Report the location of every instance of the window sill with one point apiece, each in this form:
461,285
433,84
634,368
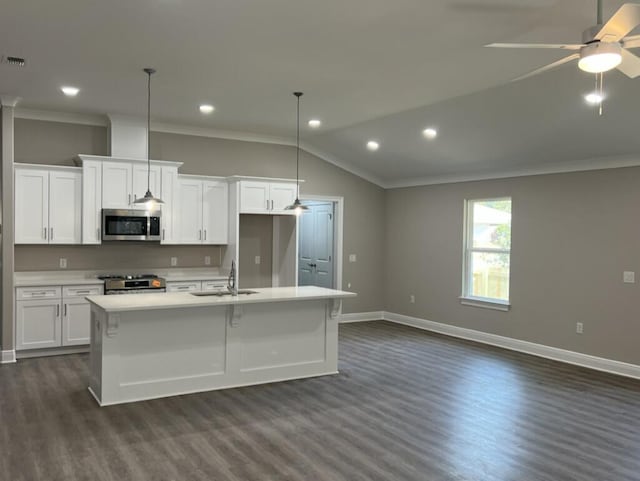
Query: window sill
484,303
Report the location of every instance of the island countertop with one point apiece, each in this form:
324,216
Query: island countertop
178,300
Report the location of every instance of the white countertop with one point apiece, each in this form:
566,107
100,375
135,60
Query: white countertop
65,278
177,300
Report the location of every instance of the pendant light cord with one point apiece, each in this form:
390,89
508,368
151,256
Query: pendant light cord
149,72
298,95
599,13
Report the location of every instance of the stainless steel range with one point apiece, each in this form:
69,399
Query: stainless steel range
133,284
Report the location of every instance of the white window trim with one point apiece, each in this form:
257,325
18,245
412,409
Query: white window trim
468,300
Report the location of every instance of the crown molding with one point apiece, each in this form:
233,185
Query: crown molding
9,100
596,163
64,117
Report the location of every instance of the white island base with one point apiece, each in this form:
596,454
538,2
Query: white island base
155,345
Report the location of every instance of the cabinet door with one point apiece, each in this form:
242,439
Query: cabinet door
76,319
65,207
91,202
215,200
38,324
169,194
116,185
281,196
190,211
254,197
140,181
184,286
31,206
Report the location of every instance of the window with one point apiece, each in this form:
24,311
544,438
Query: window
487,251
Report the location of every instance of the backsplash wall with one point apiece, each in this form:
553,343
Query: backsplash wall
118,257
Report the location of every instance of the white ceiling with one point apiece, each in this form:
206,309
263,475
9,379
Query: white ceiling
369,69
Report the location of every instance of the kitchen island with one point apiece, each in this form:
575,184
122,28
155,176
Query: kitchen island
146,346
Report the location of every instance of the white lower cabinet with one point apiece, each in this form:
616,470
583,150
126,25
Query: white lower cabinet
53,316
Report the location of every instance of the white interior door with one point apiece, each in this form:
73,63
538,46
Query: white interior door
65,207
316,244
31,206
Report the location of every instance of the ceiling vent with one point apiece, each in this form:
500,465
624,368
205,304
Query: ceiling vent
17,61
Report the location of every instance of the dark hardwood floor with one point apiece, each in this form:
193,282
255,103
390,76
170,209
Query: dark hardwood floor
407,405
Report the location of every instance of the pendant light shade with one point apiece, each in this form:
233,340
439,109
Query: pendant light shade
297,206
149,200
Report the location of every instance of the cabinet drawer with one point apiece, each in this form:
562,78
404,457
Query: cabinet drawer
214,285
184,286
38,292
82,291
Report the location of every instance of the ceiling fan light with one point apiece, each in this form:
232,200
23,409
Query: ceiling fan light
600,57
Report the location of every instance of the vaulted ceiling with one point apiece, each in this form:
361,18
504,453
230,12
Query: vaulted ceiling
370,69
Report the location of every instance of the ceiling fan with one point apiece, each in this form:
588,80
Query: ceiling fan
604,46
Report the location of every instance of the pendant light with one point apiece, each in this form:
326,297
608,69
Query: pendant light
149,200
297,206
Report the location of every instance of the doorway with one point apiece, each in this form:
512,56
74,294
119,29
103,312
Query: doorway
319,243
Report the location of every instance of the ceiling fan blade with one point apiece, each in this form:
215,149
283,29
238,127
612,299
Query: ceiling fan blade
630,65
551,66
631,42
563,46
623,21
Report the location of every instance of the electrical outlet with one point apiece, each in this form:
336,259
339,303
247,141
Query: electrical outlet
174,261
352,258
629,277
257,259
348,285
207,260
63,263
579,328
412,299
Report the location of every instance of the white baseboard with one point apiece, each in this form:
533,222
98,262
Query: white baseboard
540,350
361,317
7,357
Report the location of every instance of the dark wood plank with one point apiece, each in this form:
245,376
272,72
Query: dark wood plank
407,405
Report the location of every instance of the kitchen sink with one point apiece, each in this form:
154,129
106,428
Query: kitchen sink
222,293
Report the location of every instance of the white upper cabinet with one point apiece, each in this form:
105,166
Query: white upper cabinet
215,212
65,213
202,214
262,197
169,194
124,182
48,205
92,202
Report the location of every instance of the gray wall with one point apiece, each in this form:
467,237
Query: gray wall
256,239
58,143
572,237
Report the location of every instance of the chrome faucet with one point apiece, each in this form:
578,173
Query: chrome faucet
231,283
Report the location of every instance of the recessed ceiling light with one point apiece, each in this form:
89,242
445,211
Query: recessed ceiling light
594,98
430,133
206,108
70,91
372,145
314,123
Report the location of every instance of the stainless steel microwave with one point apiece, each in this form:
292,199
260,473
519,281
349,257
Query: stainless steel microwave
130,225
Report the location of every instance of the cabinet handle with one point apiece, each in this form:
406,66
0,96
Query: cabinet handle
199,235
45,233
65,310
83,292
129,199
51,234
98,234
58,310
205,234
38,294
162,234
271,205
267,204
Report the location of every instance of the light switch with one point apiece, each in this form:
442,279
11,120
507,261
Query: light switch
174,261
257,259
63,263
629,277
207,260
352,257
